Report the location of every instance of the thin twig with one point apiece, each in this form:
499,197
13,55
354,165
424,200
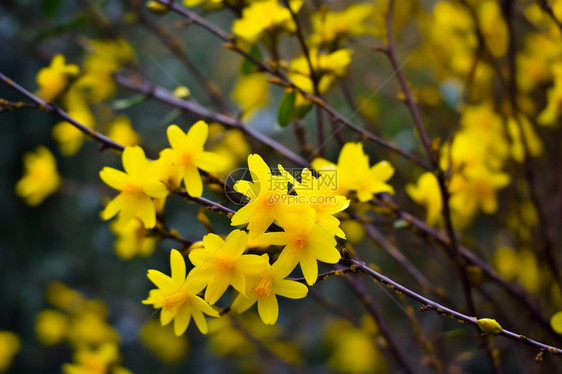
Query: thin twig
436,307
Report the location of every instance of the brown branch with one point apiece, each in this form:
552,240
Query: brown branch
438,308
285,81
165,96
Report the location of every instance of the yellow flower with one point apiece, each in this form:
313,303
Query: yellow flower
51,327
108,56
553,108
251,93
534,143
263,289
137,186
221,263
121,131
187,155
493,27
427,193
70,139
163,342
89,327
354,173
264,17
352,21
132,239
344,338
319,194
327,67
177,296
53,80
9,346
41,178
305,242
268,197
476,187
96,361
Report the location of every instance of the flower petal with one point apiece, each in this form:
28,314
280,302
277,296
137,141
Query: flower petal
113,178
268,310
193,182
134,160
146,211
177,265
181,321
290,289
211,162
309,268
176,137
197,135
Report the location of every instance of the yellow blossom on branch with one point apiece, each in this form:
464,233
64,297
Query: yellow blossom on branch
187,156
177,297
96,361
263,289
221,263
319,194
10,345
132,239
53,80
137,187
263,17
426,193
305,242
267,194
355,174
70,138
41,177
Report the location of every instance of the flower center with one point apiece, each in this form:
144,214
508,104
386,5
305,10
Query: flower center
186,158
263,288
224,265
177,298
300,241
132,189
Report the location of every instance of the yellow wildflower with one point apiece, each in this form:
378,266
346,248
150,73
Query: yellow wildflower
318,193
305,242
121,131
53,80
41,178
263,289
137,186
96,361
108,56
264,17
70,139
132,239
493,27
476,187
251,93
337,26
163,342
354,173
551,113
10,345
268,197
187,155
177,296
221,263
51,327
427,193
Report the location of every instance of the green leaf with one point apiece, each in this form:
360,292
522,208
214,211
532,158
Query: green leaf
302,111
50,7
286,109
248,66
